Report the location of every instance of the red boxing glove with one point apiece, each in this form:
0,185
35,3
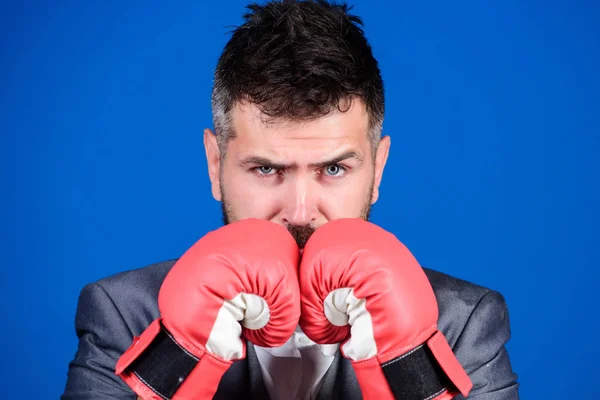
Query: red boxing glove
360,286
238,280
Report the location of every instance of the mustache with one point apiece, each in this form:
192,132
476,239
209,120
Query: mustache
301,233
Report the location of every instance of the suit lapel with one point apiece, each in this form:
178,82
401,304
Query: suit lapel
243,380
329,388
339,383
257,388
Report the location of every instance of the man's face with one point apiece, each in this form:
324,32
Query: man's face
297,174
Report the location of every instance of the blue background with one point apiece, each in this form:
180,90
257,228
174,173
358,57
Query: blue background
493,174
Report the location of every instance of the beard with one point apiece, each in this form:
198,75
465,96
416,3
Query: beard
301,234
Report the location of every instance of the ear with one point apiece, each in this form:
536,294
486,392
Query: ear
213,160
380,160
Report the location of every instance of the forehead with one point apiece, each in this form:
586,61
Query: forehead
253,128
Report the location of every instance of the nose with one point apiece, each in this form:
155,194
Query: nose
301,202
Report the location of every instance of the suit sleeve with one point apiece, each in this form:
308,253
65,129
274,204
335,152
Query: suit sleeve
481,350
103,337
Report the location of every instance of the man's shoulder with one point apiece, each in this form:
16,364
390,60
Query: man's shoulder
136,285
448,287
133,293
457,299
147,278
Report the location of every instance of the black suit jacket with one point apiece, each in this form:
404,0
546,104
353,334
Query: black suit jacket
112,311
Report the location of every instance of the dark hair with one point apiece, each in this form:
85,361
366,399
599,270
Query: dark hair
297,60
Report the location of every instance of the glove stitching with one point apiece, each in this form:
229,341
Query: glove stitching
401,357
431,327
149,386
217,358
183,348
435,394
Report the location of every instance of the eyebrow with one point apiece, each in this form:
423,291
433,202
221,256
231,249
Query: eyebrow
344,156
257,160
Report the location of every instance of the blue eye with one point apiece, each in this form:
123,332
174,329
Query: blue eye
265,170
334,170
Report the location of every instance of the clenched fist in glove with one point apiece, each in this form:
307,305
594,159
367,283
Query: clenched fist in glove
238,281
361,286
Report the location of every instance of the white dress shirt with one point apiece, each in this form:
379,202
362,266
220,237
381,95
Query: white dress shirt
295,370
